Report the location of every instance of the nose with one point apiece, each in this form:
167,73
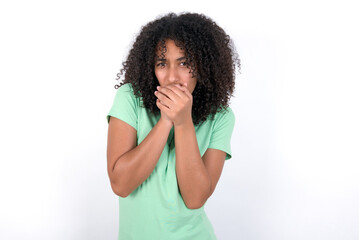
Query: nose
173,75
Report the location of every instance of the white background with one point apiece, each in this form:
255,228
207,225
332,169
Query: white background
294,171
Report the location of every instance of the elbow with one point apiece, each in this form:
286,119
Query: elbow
118,190
198,202
195,204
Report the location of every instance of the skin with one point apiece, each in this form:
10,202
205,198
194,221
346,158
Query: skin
173,69
130,165
197,176
176,85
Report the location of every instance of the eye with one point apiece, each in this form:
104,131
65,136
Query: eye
161,64
183,64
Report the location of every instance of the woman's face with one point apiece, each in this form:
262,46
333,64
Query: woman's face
173,67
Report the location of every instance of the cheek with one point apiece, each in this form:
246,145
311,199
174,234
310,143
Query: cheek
193,84
186,76
159,76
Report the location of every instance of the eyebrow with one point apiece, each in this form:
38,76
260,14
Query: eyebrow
164,59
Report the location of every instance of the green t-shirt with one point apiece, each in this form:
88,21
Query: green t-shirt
155,209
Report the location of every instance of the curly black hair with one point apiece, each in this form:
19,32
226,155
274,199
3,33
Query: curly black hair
210,54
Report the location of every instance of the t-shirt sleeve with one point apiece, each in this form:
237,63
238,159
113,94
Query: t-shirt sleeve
222,132
124,106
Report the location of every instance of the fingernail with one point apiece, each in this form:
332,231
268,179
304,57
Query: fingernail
158,87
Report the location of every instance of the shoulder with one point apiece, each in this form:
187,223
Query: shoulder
226,115
222,118
125,105
127,87
125,97
126,92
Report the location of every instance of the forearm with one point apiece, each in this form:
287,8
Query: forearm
135,166
193,178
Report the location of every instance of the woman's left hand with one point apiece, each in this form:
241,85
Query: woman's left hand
176,102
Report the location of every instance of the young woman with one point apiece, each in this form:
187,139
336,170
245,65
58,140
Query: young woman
170,127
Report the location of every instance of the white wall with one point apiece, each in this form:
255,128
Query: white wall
293,174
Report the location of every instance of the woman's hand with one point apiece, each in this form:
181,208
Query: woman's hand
175,103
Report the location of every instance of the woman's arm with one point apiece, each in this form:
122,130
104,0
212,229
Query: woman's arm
130,165
192,175
193,178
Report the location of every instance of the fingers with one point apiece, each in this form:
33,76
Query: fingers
184,89
172,94
162,99
175,91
